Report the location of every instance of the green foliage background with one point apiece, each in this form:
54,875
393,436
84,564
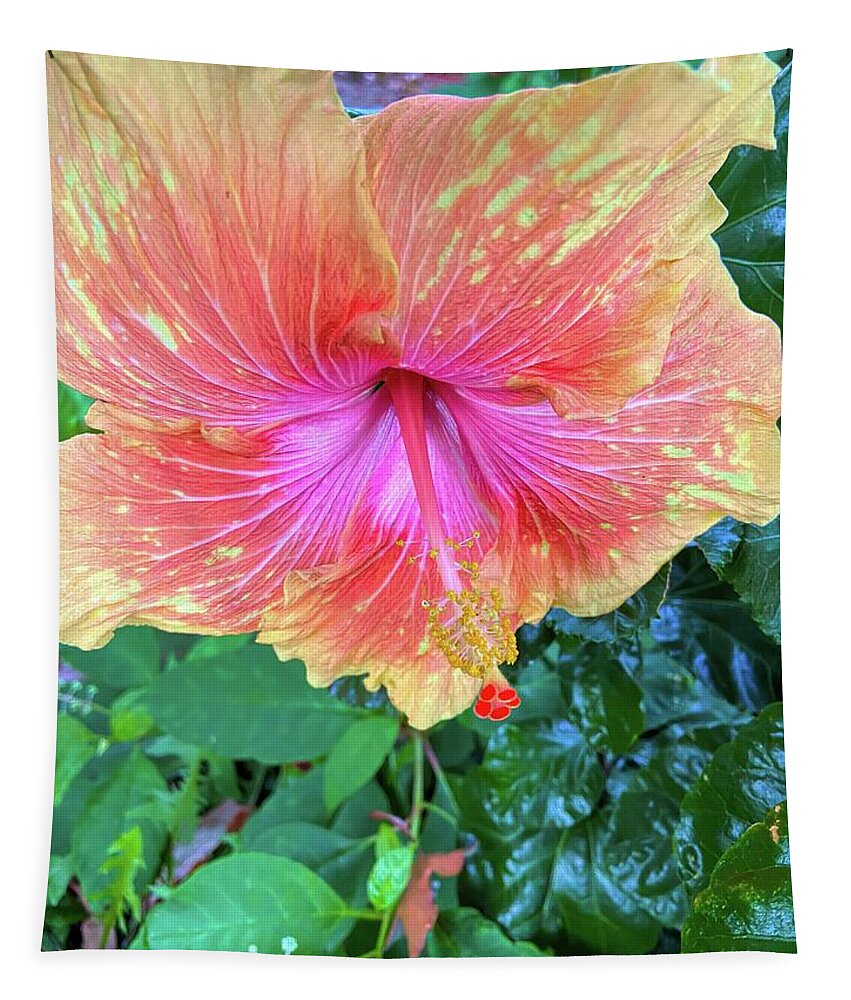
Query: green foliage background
207,798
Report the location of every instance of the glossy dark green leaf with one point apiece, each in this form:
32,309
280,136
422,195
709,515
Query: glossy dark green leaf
748,903
249,902
535,781
752,185
633,614
605,702
642,825
744,779
672,694
713,635
754,574
131,659
596,899
76,744
720,541
357,755
464,933
247,704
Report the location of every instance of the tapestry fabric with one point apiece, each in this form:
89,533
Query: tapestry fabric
419,493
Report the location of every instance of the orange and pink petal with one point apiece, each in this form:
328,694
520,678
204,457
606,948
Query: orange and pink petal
193,530
217,253
591,509
544,238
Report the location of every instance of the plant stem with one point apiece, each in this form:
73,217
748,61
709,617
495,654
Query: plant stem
417,793
414,821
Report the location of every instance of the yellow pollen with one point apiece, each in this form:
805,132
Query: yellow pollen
469,627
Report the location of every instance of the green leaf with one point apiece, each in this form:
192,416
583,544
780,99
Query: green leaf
535,781
73,407
248,705
76,744
124,859
643,820
353,818
58,877
298,797
249,902
719,542
110,797
129,718
748,904
130,660
596,902
464,933
340,861
744,779
357,756
754,574
605,701
208,647
635,613
389,876
307,843
672,694
704,627
752,185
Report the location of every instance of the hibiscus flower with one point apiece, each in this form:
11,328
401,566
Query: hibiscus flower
383,390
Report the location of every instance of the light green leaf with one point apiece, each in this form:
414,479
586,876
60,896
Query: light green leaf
357,756
389,877
124,859
246,704
129,718
73,407
249,902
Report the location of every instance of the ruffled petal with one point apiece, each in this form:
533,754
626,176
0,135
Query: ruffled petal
195,531
543,237
367,619
217,252
591,509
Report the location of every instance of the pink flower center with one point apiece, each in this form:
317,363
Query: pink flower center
466,622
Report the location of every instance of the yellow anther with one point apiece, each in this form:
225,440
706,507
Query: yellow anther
474,637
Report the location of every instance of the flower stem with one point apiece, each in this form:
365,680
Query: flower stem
417,793
413,823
